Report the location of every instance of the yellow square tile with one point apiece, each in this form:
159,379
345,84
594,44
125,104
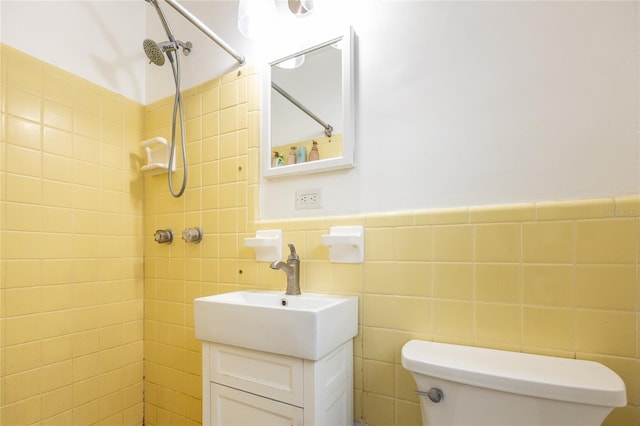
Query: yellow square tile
379,277
22,329
57,401
413,279
58,220
347,278
22,273
20,386
606,241
228,170
606,286
547,242
414,314
23,217
376,344
229,121
23,245
22,132
57,168
378,409
379,377
499,283
57,297
549,328
25,72
210,100
550,285
59,194
57,115
22,301
228,94
112,109
23,104
378,244
453,320
23,189
228,146
86,124
22,357
58,86
21,161
24,412
607,332
498,243
453,281
317,276
378,311
408,413
57,142
498,325
57,349
452,243
412,243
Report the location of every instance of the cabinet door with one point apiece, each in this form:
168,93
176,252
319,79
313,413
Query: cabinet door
274,376
232,407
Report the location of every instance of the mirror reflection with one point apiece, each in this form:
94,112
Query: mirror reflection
306,106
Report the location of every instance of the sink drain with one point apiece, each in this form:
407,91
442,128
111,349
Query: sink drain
284,302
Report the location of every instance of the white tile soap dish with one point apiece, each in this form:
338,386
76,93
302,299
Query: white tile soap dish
346,244
267,244
157,150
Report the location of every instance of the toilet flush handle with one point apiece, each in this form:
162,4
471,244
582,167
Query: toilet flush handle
434,394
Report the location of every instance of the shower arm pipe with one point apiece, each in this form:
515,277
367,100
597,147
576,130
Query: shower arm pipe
328,129
202,27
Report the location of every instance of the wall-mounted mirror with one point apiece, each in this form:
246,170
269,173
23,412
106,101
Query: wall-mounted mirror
308,122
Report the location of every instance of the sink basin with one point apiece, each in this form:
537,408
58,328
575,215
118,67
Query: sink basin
308,326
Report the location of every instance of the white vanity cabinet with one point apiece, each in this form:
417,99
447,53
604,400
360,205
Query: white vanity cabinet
248,387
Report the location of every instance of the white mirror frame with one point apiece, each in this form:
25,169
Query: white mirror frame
347,160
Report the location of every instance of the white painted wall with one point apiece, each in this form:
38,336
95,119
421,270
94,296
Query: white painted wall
458,103
100,41
476,103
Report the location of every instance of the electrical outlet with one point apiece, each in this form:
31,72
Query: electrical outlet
308,199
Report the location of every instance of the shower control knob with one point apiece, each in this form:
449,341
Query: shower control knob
192,235
163,236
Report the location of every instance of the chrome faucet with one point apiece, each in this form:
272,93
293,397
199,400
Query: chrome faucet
292,269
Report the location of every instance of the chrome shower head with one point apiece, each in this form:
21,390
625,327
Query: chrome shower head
153,52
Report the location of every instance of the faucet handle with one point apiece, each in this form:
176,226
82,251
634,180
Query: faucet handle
293,255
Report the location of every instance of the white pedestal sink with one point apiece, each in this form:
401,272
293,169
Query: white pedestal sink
268,358
307,326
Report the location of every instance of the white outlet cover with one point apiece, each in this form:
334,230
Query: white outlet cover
308,199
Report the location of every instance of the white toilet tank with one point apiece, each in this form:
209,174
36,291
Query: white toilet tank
490,387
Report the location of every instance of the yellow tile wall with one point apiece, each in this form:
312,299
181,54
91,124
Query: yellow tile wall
555,278
71,284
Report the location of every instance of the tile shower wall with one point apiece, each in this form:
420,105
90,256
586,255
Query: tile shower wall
551,278
71,249
220,145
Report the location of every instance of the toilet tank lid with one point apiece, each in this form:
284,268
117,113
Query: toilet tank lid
563,379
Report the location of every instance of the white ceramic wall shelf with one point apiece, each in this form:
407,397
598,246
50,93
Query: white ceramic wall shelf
267,244
346,244
157,150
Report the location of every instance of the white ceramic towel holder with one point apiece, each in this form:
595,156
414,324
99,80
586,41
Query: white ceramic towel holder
346,244
267,244
157,150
